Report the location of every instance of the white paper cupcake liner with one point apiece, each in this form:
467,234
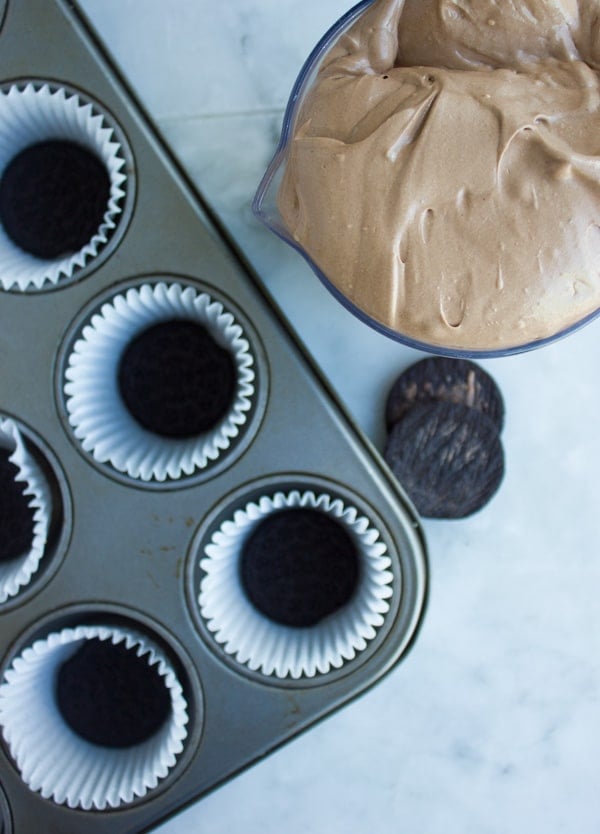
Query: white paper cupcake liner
283,651
34,113
17,573
97,413
58,763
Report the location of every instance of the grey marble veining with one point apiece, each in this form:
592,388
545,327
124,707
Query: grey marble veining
492,724
195,57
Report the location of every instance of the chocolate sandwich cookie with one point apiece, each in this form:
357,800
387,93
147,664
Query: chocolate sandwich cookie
447,456
440,378
176,380
111,697
16,516
298,566
53,197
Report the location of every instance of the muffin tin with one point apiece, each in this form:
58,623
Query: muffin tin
143,533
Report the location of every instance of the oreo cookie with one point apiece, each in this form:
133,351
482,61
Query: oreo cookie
447,456
16,516
175,380
111,697
53,197
443,379
298,566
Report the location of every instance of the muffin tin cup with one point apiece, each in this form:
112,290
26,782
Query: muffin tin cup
52,759
17,573
35,112
96,411
282,651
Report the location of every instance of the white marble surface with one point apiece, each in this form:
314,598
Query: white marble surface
492,724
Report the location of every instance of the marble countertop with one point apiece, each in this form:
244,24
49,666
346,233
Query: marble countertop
492,724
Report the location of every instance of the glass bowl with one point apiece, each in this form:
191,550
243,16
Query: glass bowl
265,207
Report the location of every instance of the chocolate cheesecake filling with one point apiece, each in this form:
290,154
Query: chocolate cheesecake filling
444,170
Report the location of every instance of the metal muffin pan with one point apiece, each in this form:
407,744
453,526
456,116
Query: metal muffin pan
130,552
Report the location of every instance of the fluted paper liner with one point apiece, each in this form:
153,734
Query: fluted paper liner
279,650
54,760
97,413
30,114
17,573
